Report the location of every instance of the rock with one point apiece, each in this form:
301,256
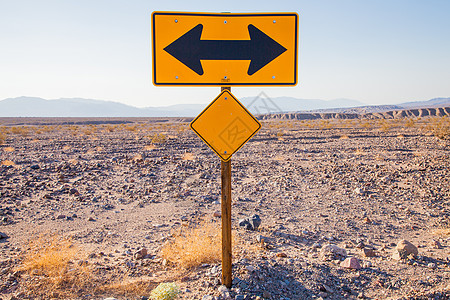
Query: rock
250,269
366,220
326,288
35,167
360,245
255,221
332,252
260,238
267,295
239,297
366,264
250,223
60,217
404,249
368,252
435,244
74,192
358,191
110,298
217,214
3,235
140,254
431,265
316,245
351,263
223,290
208,297
281,254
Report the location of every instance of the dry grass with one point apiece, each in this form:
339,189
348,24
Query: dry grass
410,123
7,162
129,287
50,271
385,126
55,267
149,147
158,138
188,156
20,130
192,247
440,127
360,152
2,138
442,231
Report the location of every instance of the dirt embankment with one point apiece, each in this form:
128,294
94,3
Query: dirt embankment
394,114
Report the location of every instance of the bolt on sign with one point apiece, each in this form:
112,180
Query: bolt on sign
224,49
225,125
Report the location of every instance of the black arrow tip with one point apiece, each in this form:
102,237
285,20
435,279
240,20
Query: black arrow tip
187,49
263,49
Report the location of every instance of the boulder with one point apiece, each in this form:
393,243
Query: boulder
140,254
404,249
368,252
250,223
332,252
351,263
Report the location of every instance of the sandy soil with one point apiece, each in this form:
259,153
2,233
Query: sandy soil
116,189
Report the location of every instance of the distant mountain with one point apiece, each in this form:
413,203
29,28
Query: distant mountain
67,107
262,104
78,107
436,102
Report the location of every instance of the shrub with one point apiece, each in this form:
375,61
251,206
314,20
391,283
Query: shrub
50,269
20,130
158,138
410,123
55,267
385,126
7,163
165,291
2,138
441,128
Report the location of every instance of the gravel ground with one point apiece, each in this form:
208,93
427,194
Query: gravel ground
119,188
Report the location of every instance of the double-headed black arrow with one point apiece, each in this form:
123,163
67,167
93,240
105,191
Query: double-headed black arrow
190,49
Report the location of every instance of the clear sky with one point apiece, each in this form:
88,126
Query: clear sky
375,51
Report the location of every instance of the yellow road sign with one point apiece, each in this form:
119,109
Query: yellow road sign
224,49
225,125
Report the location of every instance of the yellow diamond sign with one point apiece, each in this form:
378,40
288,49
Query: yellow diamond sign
225,125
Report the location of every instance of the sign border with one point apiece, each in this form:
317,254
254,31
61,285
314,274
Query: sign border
153,31
206,142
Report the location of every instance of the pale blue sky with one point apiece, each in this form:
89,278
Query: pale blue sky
375,51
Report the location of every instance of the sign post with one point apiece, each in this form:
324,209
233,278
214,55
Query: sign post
225,49
226,219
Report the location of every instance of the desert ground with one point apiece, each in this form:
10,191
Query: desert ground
91,209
